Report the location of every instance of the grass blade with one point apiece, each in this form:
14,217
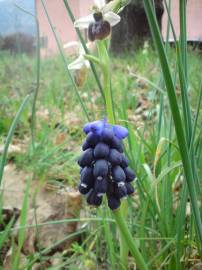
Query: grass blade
10,134
182,141
5,233
21,232
38,61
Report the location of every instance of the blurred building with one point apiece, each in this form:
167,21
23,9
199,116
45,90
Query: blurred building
194,20
61,22
66,32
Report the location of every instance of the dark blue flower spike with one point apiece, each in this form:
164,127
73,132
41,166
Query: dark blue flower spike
104,167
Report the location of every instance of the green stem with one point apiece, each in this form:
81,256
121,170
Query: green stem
123,244
110,115
129,240
93,59
105,64
109,241
126,240
107,93
123,252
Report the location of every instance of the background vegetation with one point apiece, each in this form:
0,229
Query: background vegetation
160,215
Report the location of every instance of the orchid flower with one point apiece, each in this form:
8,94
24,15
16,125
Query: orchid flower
98,23
80,62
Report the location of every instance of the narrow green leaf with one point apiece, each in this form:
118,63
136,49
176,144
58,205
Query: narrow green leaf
175,113
10,134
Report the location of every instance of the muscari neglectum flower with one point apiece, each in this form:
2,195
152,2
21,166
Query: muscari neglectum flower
98,23
104,167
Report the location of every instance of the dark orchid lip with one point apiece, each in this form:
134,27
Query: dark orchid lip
98,126
98,16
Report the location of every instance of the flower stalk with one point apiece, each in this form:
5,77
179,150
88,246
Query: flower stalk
107,93
129,240
123,243
126,241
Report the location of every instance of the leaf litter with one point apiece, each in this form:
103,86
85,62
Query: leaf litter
45,205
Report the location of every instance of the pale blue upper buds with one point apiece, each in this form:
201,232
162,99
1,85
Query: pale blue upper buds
98,126
120,132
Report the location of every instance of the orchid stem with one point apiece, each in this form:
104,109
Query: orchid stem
93,59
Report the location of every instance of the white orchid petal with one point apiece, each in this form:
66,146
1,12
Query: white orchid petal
112,18
84,22
81,50
77,64
87,63
71,44
89,45
108,7
99,3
